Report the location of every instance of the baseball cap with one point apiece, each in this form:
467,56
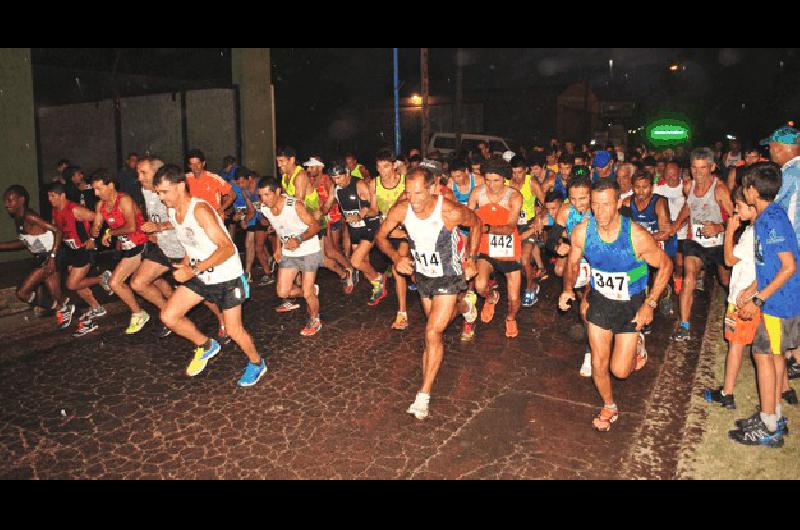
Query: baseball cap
784,135
337,170
313,162
580,171
433,165
601,159
508,155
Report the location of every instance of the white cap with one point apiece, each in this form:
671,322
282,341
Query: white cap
313,162
508,155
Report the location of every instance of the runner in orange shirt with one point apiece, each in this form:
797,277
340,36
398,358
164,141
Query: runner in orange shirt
206,185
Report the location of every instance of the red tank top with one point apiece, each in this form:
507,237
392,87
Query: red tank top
66,222
334,214
501,248
116,219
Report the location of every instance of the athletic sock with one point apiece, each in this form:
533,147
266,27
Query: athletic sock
779,411
685,325
770,420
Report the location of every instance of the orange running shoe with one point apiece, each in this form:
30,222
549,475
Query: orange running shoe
487,313
512,331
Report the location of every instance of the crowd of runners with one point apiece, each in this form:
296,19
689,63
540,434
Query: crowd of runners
624,233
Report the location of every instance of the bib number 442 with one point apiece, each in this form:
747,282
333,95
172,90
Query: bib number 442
501,246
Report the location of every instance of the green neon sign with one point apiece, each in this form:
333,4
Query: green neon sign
669,132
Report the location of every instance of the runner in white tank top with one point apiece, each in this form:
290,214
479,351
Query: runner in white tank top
210,271
432,226
298,249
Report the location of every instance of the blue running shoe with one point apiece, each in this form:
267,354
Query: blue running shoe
253,374
412,287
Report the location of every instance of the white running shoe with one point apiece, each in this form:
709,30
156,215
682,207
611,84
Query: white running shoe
104,282
586,368
472,302
420,406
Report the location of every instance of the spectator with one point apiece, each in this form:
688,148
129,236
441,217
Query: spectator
128,180
230,166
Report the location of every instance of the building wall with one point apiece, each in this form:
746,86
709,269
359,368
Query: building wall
152,124
211,124
251,71
18,158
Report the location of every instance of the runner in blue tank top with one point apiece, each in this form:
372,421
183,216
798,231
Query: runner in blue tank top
619,252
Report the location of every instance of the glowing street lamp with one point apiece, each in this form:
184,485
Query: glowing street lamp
416,100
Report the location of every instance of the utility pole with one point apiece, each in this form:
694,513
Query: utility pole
459,108
426,116
397,143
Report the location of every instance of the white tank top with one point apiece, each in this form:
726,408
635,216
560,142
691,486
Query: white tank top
433,248
705,209
676,200
733,160
288,225
199,246
38,244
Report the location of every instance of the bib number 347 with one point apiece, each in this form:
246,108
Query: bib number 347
613,286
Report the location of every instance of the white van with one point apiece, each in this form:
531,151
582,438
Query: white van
445,143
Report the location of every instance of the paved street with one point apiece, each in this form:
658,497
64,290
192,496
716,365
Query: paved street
333,406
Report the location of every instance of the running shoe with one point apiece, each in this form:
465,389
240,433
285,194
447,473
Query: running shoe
512,331
747,423
356,276
312,327
758,434
288,306
681,334
529,298
699,285
790,397
420,407
64,315
716,396
223,338
378,291
412,287
487,314
84,328
273,265
201,357
138,321
586,367
105,280
401,322
32,297
164,333
94,313
641,353
266,280
253,374
471,299
316,290
793,369
348,282
468,332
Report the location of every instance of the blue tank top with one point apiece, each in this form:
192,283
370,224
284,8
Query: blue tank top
559,187
574,218
646,218
463,198
616,273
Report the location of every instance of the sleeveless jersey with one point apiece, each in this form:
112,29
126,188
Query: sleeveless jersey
675,201
199,246
356,173
574,218
36,244
351,203
616,272
528,210
463,198
646,218
288,181
559,186
505,247
288,224
434,249
705,209
116,219
66,222
385,197
334,214
157,212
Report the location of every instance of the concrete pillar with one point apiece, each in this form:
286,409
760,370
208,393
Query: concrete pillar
251,71
18,159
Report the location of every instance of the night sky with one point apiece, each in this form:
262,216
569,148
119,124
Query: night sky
745,91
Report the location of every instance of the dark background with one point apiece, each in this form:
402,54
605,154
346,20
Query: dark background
747,92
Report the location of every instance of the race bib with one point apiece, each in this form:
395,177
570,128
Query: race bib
428,264
584,275
523,218
357,224
707,242
71,243
501,246
612,285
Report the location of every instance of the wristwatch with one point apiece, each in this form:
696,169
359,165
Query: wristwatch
196,271
758,302
53,255
652,304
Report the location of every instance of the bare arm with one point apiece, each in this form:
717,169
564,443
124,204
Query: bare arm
98,220
308,220
301,186
207,220
13,245
723,195
366,192
394,218
44,225
733,225
573,263
648,250
664,224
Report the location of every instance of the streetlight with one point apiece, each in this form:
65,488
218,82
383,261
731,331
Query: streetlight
416,100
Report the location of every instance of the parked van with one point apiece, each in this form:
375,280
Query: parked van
445,143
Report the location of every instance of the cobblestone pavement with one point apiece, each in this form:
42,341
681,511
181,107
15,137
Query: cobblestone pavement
332,406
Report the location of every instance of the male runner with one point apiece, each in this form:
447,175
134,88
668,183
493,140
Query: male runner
211,270
43,240
529,189
706,200
207,186
256,239
498,207
77,254
356,169
672,190
431,222
360,210
294,180
619,252
125,222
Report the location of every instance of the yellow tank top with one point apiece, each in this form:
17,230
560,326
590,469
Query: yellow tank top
313,206
288,182
387,197
356,173
528,199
